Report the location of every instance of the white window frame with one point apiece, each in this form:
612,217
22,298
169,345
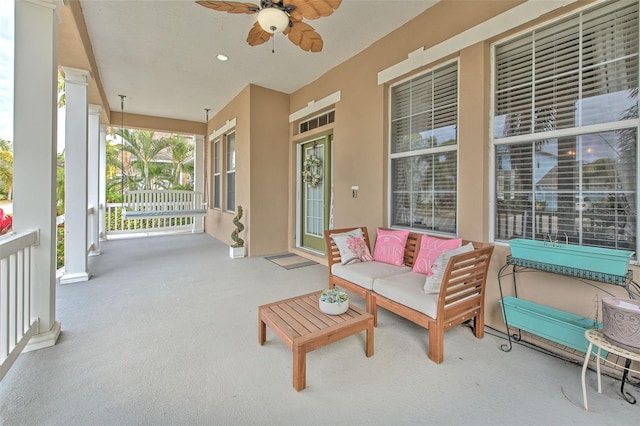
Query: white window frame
532,137
427,151
217,173
230,172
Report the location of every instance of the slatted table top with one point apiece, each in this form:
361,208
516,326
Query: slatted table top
300,319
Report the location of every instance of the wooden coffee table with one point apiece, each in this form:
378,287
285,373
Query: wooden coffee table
303,328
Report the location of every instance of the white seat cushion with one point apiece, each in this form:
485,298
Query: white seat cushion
364,273
408,290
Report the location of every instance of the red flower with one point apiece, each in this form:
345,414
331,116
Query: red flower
6,223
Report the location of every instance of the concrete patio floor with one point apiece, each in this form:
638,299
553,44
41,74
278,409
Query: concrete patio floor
166,333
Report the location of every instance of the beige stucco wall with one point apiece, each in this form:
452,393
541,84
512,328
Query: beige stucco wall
262,173
358,141
269,158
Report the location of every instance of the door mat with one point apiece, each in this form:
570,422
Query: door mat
290,260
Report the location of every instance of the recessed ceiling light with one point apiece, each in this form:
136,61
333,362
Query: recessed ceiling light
222,57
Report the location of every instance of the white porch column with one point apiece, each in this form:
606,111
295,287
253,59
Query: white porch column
93,179
102,183
75,176
35,139
198,185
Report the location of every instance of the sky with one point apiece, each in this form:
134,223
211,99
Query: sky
6,69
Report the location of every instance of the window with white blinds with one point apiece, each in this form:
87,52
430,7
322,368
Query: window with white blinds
566,130
424,156
231,172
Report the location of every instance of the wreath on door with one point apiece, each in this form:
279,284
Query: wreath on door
312,170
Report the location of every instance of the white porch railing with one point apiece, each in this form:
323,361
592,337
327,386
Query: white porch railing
16,324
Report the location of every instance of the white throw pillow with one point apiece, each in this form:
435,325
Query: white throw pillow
432,283
352,247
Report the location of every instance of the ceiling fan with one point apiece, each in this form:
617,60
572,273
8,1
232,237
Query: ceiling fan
285,16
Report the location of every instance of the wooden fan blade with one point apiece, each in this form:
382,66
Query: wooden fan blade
257,35
312,9
304,36
230,6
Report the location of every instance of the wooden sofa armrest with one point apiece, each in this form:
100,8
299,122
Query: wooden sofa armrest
462,292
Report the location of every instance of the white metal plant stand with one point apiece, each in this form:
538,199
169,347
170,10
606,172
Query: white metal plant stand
597,338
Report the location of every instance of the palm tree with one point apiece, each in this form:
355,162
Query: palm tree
62,97
143,149
181,151
113,173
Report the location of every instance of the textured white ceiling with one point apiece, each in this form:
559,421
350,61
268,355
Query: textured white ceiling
161,53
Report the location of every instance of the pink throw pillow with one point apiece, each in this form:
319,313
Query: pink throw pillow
390,246
430,249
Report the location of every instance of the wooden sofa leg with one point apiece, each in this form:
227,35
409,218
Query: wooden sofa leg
372,308
436,344
478,326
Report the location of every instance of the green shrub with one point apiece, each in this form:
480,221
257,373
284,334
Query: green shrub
59,248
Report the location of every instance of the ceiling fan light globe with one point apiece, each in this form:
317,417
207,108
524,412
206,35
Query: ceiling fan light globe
273,20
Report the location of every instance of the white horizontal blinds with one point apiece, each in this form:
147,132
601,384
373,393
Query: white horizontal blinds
579,182
445,106
401,191
422,105
231,172
217,168
422,108
514,183
556,77
538,80
401,118
424,192
610,63
514,82
424,116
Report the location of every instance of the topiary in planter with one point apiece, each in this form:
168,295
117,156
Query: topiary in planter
239,242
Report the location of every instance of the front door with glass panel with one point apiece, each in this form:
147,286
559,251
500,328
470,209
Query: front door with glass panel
315,192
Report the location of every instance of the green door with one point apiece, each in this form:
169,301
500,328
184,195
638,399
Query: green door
316,192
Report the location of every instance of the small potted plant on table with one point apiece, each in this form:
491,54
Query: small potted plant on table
334,301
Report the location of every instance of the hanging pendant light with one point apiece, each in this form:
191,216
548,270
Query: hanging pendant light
205,195
122,146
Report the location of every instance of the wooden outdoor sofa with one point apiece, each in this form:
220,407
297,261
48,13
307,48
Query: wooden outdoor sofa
400,290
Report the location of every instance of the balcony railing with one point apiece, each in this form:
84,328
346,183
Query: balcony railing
16,324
